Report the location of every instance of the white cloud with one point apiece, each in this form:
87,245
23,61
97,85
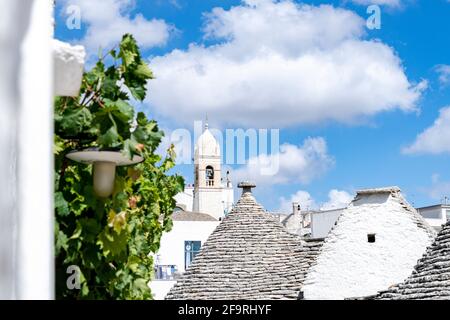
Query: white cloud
295,164
389,3
176,4
108,20
280,64
443,71
336,199
182,142
435,139
302,197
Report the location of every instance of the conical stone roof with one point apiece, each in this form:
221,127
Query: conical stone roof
248,256
431,276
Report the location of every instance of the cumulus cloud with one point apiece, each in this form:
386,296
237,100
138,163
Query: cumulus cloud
279,63
336,199
443,71
435,139
293,164
108,20
302,197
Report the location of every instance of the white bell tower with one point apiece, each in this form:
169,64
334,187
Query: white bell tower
207,176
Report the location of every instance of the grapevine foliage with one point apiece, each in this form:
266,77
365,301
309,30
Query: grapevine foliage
111,239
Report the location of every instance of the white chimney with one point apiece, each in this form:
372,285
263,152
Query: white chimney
296,210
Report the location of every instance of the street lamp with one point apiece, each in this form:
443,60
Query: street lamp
104,166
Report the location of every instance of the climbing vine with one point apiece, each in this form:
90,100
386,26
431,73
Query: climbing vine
110,240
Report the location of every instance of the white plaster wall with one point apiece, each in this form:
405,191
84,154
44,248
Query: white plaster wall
210,202
203,162
435,223
350,266
228,199
161,288
171,251
26,85
323,222
35,256
26,142
186,198
436,217
14,22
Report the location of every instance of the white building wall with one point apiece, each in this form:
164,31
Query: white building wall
26,92
160,288
350,266
13,16
323,222
209,201
436,216
227,199
27,58
186,198
171,251
35,254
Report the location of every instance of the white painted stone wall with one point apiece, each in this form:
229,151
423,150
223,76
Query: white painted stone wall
323,221
171,251
209,200
160,288
186,198
35,232
14,15
436,216
26,145
350,266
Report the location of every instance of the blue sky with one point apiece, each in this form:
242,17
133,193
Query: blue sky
379,129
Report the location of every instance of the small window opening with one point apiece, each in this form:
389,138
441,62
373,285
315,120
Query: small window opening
371,237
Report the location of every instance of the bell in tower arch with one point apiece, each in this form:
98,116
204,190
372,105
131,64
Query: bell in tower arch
209,175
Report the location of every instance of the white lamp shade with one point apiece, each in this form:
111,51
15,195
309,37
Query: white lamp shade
89,156
104,176
104,167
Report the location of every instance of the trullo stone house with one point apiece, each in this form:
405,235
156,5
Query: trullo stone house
249,255
375,244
